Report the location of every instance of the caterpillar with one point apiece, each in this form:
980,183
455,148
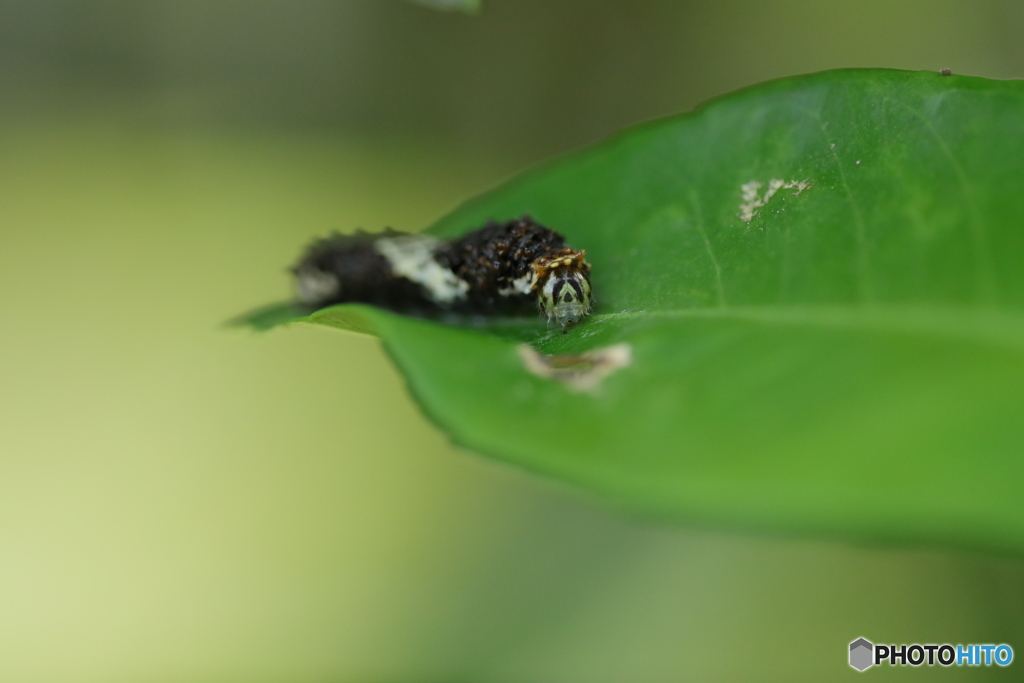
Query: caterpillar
497,268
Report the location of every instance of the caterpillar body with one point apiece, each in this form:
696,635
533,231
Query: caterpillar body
497,268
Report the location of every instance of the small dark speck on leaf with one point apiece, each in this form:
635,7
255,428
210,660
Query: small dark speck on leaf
946,72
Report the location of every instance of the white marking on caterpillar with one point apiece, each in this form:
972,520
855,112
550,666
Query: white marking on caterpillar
314,285
522,285
412,257
580,373
752,201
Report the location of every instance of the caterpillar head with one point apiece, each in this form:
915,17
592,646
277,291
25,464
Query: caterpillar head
563,286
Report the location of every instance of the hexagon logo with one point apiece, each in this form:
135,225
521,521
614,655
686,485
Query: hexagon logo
861,654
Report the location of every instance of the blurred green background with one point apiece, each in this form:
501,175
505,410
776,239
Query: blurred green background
181,502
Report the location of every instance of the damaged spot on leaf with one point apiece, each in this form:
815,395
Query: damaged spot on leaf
754,200
583,372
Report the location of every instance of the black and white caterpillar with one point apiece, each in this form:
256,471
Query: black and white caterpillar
500,267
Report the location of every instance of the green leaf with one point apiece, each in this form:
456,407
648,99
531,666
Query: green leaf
841,357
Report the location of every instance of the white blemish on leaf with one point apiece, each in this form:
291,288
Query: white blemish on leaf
412,257
754,200
580,373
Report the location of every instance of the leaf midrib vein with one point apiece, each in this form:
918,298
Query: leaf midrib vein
983,326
